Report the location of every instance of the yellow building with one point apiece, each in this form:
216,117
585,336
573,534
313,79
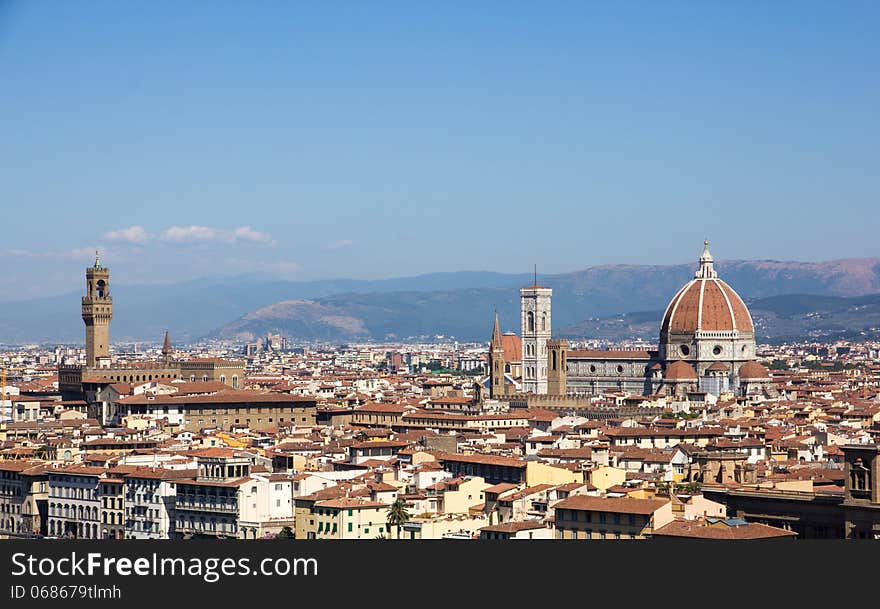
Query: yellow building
542,473
604,478
459,499
305,518
436,527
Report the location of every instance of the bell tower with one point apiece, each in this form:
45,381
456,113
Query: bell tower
97,311
535,305
497,387
556,366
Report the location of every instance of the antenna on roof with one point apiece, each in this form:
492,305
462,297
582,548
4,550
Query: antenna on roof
536,274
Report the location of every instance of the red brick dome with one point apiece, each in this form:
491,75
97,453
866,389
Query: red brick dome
706,304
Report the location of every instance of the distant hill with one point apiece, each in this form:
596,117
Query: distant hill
193,309
457,304
786,318
777,319
587,304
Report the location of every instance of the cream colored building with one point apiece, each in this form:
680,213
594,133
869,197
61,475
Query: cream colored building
586,517
604,478
351,518
465,495
440,526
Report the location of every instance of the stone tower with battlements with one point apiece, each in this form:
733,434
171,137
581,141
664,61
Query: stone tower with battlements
97,311
535,306
556,364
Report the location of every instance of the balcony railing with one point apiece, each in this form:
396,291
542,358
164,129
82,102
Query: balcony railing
206,506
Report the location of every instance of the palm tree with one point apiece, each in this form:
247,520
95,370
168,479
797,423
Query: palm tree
397,515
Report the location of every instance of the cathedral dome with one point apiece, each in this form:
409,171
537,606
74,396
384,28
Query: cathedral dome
706,304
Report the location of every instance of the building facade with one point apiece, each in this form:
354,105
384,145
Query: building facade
23,498
75,502
535,311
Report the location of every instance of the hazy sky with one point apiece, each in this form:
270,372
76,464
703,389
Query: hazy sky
374,139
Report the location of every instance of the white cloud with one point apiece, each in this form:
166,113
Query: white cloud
194,233
78,253
201,234
132,234
341,244
246,233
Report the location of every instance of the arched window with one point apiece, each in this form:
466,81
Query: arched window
553,360
543,321
235,381
530,321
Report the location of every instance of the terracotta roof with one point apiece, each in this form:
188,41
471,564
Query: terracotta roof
350,503
680,370
700,529
618,505
81,470
500,488
213,452
483,460
515,527
753,370
382,408
223,397
153,473
512,347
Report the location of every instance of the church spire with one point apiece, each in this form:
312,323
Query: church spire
166,346
707,264
496,334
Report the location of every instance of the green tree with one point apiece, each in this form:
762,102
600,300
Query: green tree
285,533
691,488
397,515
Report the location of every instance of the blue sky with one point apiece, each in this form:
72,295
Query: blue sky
375,139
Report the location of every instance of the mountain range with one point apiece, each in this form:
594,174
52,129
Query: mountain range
610,301
777,319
